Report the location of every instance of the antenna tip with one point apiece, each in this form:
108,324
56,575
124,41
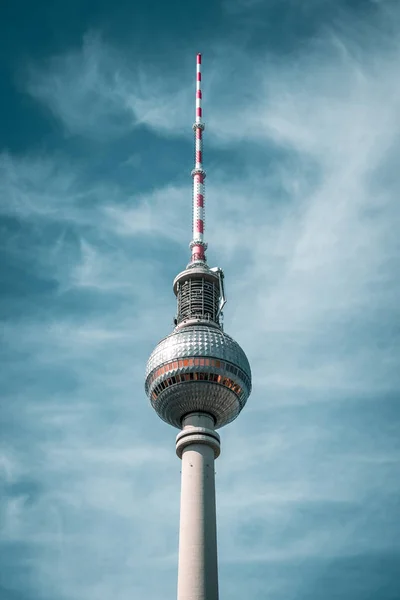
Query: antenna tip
199,58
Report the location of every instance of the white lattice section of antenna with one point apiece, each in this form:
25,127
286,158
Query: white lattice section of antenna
198,245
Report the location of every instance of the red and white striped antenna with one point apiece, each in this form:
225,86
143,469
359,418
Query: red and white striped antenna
198,245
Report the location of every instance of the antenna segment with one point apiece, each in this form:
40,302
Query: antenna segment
197,245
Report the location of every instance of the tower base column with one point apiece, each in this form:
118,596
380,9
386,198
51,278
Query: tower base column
198,446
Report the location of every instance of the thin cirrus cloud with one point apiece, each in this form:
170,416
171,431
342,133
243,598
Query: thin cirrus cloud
94,92
307,474
40,189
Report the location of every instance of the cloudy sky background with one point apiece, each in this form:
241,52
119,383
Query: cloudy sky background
302,105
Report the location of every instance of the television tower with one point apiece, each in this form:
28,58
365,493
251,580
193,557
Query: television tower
198,379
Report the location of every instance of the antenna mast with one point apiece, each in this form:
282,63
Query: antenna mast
198,245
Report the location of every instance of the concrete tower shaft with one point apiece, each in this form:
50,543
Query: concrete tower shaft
198,445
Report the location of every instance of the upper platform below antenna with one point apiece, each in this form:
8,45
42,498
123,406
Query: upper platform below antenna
199,290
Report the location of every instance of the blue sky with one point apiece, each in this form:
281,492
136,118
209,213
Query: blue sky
302,105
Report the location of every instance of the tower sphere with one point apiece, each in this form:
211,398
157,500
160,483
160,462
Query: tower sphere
198,368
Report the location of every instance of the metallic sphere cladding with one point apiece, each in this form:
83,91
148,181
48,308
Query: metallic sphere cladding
198,368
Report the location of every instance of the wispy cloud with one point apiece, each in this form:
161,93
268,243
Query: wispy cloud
94,92
306,229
